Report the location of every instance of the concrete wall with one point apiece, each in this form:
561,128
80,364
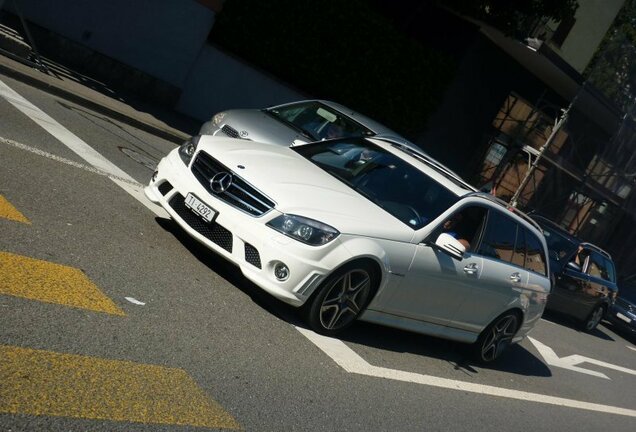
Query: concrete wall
159,37
593,19
219,81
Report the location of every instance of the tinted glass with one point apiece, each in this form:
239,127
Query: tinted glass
388,181
465,225
610,270
318,121
499,238
519,254
558,245
535,258
598,266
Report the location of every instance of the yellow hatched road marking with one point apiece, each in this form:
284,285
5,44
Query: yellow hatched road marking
36,382
7,211
51,283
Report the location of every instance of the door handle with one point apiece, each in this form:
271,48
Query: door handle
471,268
515,277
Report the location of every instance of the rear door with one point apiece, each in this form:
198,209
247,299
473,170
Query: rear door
504,277
569,295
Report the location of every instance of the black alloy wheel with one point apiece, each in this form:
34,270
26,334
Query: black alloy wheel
594,318
341,298
494,340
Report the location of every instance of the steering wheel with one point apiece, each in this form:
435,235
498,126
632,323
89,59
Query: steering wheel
419,219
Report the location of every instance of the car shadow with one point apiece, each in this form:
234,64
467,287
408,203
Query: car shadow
627,335
517,360
230,272
567,321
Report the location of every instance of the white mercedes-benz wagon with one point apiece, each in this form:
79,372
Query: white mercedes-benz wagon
362,228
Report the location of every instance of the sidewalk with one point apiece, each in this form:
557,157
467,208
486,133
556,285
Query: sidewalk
96,96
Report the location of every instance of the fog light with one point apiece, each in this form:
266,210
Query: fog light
281,271
154,175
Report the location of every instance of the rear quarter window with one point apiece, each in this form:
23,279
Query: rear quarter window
535,254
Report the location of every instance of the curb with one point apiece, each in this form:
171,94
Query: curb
176,138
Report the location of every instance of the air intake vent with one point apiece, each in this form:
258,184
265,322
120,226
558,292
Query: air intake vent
165,188
252,256
230,131
212,231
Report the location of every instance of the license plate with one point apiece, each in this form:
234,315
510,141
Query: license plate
194,204
623,317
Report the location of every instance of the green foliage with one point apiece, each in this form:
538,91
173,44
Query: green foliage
613,67
514,17
339,50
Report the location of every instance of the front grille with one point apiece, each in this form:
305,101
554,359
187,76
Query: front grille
230,131
252,256
165,187
212,231
240,194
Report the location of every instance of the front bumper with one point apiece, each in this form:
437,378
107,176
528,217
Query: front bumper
622,319
243,239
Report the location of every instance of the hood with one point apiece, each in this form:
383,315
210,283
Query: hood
262,127
299,187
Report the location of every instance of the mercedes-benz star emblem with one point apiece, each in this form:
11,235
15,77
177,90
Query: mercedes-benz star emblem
221,182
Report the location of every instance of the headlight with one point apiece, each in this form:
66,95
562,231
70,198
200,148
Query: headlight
303,229
218,118
187,149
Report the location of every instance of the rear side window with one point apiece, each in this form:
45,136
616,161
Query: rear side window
598,267
519,255
535,257
507,241
499,239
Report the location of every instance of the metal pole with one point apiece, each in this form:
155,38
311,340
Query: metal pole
514,201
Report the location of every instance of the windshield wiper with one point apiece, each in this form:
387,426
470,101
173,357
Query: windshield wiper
297,128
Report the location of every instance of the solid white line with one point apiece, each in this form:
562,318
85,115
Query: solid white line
351,362
63,160
77,145
631,347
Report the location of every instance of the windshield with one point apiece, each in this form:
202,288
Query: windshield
318,121
628,294
560,247
388,181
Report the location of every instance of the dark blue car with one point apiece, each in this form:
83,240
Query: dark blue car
583,276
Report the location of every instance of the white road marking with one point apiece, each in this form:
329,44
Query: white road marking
571,361
135,301
631,347
63,160
77,145
351,362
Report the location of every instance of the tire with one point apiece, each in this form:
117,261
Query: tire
494,340
341,298
595,317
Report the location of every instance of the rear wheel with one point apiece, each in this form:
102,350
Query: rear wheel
341,298
494,340
594,318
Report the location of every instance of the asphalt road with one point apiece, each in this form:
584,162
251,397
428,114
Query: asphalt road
197,347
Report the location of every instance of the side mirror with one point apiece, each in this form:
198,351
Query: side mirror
450,246
574,266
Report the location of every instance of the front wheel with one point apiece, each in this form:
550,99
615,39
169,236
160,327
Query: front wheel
494,340
594,319
341,298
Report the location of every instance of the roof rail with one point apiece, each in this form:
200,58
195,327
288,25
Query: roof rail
597,249
422,156
504,204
